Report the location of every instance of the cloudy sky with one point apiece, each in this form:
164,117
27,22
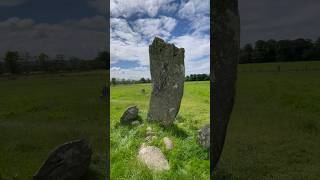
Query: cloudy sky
279,19
78,28
134,24
69,27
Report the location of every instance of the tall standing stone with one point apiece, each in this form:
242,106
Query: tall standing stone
225,40
167,73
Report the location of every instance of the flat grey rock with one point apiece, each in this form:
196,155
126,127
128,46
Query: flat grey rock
130,115
204,136
153,158
168,75
69,161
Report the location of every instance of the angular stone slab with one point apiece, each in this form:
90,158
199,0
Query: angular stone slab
69,161
168,74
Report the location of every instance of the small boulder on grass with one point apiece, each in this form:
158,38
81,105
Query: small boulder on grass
150,135
204,136
69,161
153,158
135,123
168,143
130,115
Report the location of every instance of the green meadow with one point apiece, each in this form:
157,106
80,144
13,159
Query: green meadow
40,112
187,159
273,134
274,131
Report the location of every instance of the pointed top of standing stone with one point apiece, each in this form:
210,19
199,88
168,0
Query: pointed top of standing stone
161,43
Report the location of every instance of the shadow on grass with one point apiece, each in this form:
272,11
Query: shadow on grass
222,174
175,131
92,174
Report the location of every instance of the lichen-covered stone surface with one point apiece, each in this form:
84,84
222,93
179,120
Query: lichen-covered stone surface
69,161
167,73
203,137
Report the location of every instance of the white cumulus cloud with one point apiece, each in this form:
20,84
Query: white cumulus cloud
127,8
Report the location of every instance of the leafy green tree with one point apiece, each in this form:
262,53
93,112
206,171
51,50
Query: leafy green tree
246,54
103,59
113,81
42,60
142,80
11,60
1,68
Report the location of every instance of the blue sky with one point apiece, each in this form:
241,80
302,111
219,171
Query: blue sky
134,24
69,27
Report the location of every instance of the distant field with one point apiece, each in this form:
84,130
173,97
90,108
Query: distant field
187,159
281,66
274,131
39,112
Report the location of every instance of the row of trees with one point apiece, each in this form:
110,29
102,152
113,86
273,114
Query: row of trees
18,63
282,50
192,77
198,77
115,81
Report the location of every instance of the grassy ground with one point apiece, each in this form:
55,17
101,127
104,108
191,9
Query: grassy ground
274,131
39,112
187,160
273,134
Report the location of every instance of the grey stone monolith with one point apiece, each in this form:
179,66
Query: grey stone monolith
167,73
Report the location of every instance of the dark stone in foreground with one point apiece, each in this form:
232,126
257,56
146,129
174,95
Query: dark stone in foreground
204,136
167,72
69,161
130,115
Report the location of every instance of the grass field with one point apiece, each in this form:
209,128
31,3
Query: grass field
39,112
274,131
187,159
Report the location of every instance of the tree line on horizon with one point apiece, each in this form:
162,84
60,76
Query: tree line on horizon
280,51
22,63
191,77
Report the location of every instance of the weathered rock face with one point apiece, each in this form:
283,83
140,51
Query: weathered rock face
225,39
130,115
69,161
167,73
153,158
204,136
